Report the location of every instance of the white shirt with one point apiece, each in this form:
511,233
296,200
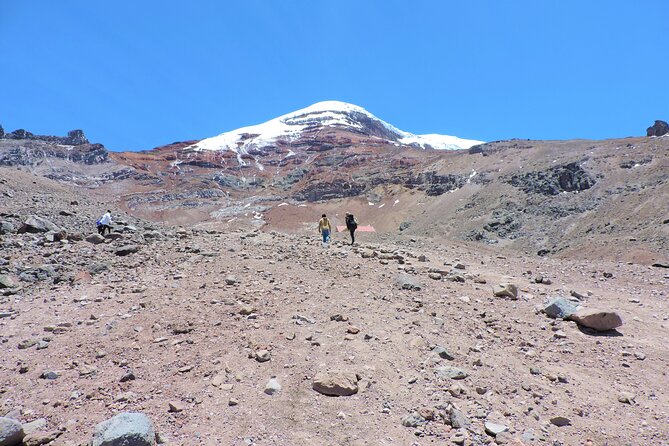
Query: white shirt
106,219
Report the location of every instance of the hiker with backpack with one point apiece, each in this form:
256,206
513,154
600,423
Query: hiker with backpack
104,223
325,228
351,225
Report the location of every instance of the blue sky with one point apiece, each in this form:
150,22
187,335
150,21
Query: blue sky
138,74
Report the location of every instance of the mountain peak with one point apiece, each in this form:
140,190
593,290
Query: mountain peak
326,114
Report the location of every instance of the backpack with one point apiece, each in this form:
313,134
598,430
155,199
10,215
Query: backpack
350,222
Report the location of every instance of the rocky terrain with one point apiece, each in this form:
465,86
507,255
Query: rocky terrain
247,336
513,293
598,199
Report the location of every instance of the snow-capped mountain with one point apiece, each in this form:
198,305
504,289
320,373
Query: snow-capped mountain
328,114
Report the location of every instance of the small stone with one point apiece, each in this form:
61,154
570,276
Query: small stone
640,356
560,421
352,329
448,372
626,398
262,356
87,370
234,402
49,374
442,353
413,420
230,280
27,343
494,429
175,407
272,386
458,419
128,376
506,290
125,397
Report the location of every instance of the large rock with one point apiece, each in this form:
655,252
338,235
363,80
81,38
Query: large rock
6,282
11,432
658,129
449,372
96,239
38,224
127,249
6,227
336,383
560,308
407,282
597,319
53,236
125,429
506,290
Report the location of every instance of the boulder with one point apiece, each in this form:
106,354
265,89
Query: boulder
407,282
11,432
560,308
36,224
336,383
660,128
76,237
55,236
506,290
6,282
448,372
597,319
96,239
6,227
127,249
125,429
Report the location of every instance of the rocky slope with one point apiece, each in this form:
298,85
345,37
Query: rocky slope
233,337
600,199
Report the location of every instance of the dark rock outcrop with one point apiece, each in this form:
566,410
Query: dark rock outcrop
566,178
32,152
73,138
338,188
658,129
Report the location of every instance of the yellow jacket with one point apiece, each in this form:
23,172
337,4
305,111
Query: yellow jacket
324,223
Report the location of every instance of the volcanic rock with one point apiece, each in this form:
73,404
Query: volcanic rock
127,249
125,429
659,128
336,383
560,308
11,432
37,224
407,282
96,239
597,319
506,290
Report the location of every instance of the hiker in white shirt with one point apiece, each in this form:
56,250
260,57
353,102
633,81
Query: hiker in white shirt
105,223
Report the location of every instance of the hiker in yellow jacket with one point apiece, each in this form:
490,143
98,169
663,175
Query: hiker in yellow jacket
325,228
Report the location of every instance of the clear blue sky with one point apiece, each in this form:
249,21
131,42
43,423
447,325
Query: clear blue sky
137,74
